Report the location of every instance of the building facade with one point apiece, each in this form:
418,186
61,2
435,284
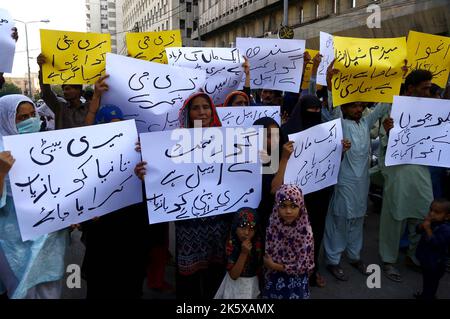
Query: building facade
159,15
105,16
221,21
22,83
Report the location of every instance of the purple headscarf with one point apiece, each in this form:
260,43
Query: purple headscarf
291,245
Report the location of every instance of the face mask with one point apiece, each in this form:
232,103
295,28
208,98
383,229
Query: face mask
31,125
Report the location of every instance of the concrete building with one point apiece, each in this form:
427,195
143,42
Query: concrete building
22,83
222,21
105,16
159,15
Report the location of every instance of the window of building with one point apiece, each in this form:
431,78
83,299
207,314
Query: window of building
188,32
317,10
104,26
335,6
182,24
353,3
103,7
111,14
181,1
188,7
302,16
195,2
111,5
195,24
112,24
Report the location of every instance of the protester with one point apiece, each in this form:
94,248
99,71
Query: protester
31,269
407,191
289,253
433,247
348,205
306,114
69,114
244,253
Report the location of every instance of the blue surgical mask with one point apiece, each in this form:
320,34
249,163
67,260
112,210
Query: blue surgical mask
31,125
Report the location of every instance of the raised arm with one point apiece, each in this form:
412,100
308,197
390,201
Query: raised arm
99,87
47,94
6,162
278,180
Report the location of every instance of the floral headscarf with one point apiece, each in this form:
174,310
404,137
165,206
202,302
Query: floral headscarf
230,97
242,218
183,115
291,245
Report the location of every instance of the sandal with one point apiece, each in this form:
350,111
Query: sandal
317,280
320,281
392,273
337,272
361,266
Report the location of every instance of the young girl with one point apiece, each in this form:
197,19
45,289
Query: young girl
244,253
289,256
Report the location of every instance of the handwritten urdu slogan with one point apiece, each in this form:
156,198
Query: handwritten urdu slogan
370,69
223,67
74,57
68,176
316,159
151,93
198,173
7,43
430,52
327,51
151,46
275,64
421,132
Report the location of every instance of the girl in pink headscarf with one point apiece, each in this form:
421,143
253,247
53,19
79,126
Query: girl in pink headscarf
289,256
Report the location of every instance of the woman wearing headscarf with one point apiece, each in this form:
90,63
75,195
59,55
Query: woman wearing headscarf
237,98
32,269
200,242
306,114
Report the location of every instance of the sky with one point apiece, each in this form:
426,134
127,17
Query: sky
67,15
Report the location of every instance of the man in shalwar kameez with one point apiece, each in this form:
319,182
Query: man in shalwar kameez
407,192
345,218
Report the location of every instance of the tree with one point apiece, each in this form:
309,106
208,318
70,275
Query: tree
10,88
36,96
58,90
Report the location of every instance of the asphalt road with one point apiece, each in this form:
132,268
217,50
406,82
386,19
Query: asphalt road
355,288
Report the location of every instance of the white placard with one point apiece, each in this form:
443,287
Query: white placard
146,91
245,115
201,172
316,159
7,43
68,176
327,52
223,67
275,64
421,132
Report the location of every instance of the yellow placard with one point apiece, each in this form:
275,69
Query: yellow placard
74,57
429,52
370,69
151,46
308,69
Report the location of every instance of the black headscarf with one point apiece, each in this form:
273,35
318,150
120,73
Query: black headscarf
300,118
266,122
